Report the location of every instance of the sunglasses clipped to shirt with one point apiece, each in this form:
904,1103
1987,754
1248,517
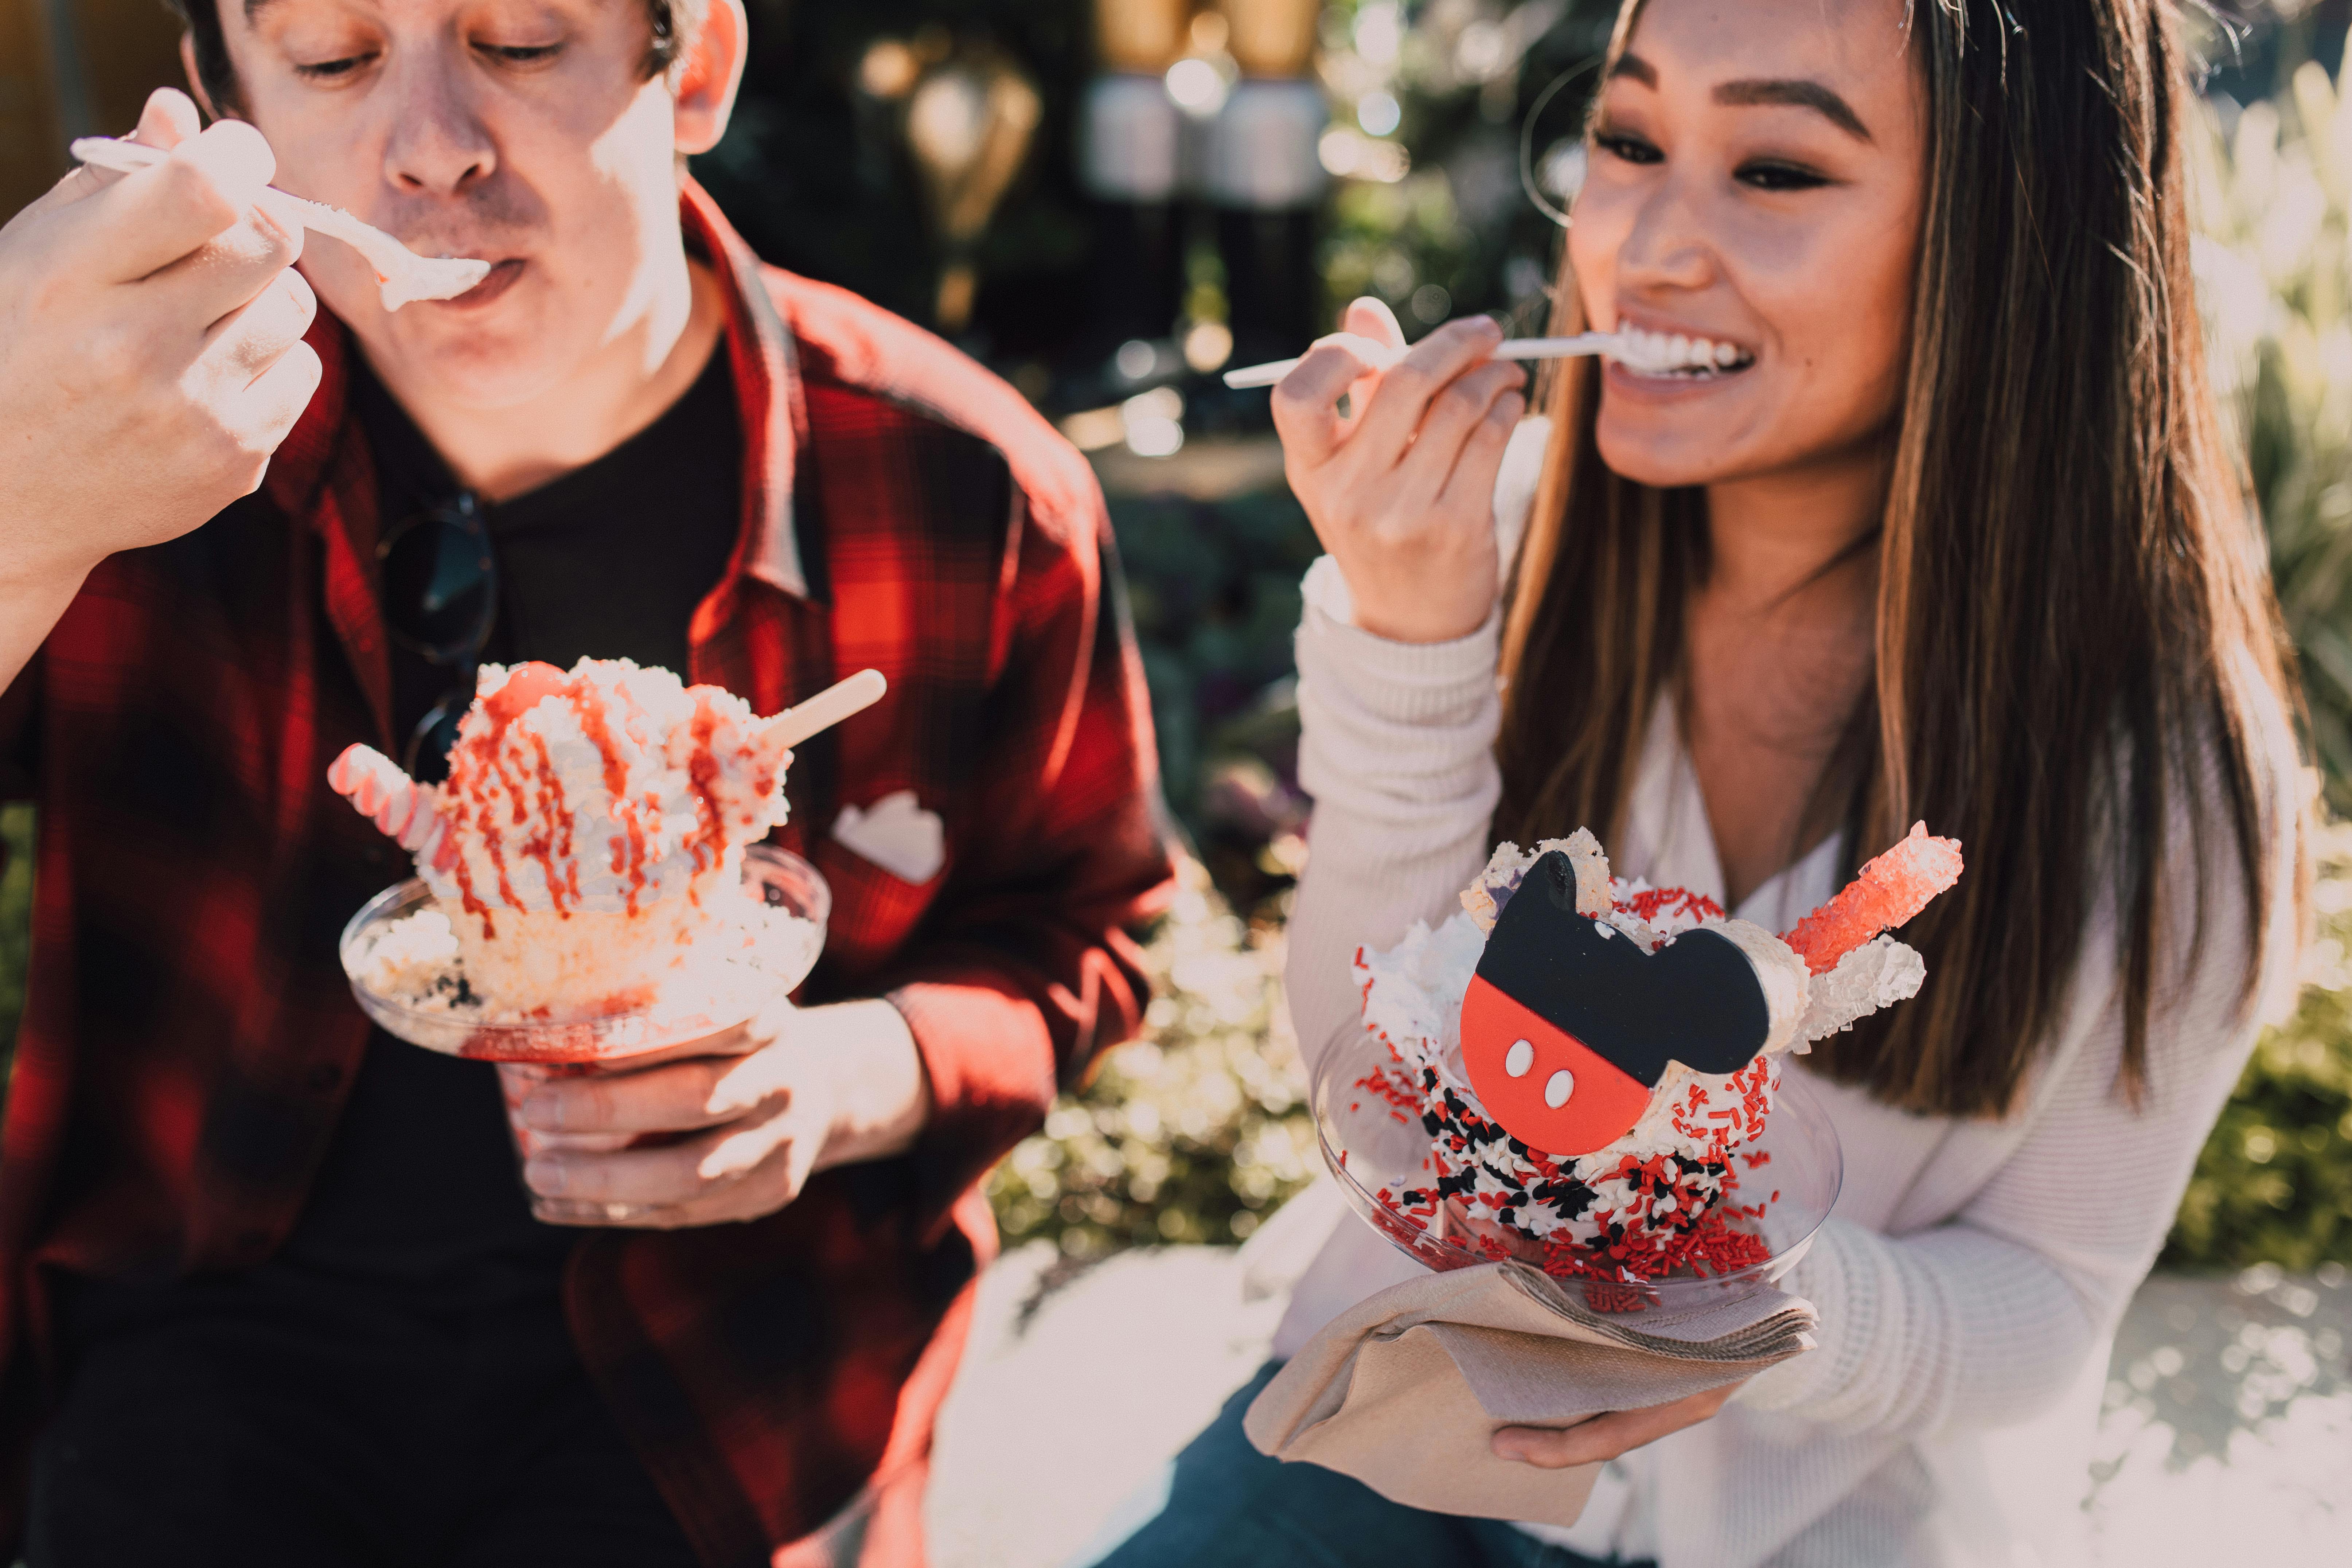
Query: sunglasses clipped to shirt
440,600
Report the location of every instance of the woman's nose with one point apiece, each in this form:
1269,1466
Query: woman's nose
1668,246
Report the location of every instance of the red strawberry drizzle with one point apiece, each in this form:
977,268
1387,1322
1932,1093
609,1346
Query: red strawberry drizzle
709,839
554,835
598,728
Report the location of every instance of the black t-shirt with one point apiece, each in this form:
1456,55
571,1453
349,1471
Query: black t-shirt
420,1192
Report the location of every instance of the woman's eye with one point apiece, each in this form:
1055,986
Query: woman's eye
1631,149
328,70
1779,177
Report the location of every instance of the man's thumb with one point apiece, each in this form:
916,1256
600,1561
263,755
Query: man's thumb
169,119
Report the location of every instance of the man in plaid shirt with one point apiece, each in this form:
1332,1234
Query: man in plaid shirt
269,1289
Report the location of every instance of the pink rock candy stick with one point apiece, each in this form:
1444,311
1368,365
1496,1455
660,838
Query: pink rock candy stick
405,811
1889,892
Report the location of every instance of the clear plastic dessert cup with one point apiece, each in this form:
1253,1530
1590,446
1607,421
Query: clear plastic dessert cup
527,1052
1370,1145
776,957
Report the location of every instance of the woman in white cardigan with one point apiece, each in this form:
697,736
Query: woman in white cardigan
1934,521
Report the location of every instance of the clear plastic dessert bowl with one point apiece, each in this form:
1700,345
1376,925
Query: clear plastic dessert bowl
781,927
1371,1145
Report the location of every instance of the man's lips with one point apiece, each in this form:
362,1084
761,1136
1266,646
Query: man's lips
501,279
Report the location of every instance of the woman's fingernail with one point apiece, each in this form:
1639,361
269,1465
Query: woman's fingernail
545,1177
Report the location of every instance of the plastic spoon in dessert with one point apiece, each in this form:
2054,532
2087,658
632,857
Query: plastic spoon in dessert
1634,351
828,706
404,276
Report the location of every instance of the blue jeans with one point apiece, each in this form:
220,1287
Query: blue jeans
1223,1504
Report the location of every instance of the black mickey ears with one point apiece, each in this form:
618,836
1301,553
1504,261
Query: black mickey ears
1569,1023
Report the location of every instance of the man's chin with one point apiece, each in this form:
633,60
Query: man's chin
495,353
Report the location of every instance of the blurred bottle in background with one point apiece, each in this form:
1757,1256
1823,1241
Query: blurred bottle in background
1130,164
1263,180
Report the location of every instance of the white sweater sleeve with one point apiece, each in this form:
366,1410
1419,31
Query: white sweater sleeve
1397,749
1984,1319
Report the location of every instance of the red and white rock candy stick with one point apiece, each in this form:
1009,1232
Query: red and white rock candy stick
1889,892
406,812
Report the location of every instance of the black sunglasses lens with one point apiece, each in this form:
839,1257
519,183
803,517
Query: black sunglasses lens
436,736
440,588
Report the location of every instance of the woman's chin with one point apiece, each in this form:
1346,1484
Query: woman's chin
1662,460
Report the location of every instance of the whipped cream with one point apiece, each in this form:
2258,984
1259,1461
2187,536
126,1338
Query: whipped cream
605,789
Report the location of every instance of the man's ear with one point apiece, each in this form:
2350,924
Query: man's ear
709,76
196,82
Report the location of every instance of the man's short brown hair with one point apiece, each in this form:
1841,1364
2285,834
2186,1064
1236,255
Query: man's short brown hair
675,23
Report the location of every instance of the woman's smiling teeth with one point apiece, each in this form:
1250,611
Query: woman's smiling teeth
1664,353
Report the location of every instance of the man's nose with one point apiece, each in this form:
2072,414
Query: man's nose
438,144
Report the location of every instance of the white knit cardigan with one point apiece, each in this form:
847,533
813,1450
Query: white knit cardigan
1972,1276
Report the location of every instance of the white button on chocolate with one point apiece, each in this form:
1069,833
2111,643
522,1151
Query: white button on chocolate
1559,1087
1519,1057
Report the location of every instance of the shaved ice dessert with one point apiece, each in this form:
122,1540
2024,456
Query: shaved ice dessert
1591,1058
586,852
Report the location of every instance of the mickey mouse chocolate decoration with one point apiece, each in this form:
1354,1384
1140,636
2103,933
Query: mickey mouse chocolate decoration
1569,1023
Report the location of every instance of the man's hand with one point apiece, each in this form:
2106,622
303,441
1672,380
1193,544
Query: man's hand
732,1135
1607,1436
151,357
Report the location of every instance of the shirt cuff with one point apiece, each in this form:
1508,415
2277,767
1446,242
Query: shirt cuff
990,1061
1399,681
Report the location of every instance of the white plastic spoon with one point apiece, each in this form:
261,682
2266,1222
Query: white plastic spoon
829,707
1616,346
404,276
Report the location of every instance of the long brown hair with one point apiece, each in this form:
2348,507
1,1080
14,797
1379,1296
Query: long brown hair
2069,563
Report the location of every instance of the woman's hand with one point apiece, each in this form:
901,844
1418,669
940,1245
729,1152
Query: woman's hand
1607,1436
734,1132
1401,490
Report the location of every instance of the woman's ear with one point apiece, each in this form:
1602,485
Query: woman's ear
709,76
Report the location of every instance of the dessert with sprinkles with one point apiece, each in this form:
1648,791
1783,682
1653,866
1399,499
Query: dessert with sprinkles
1592,1059
587,851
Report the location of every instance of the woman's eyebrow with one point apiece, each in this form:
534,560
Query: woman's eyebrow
1799,94
1795,92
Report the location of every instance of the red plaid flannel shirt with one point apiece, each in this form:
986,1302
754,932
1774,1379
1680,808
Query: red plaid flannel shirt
188,1035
